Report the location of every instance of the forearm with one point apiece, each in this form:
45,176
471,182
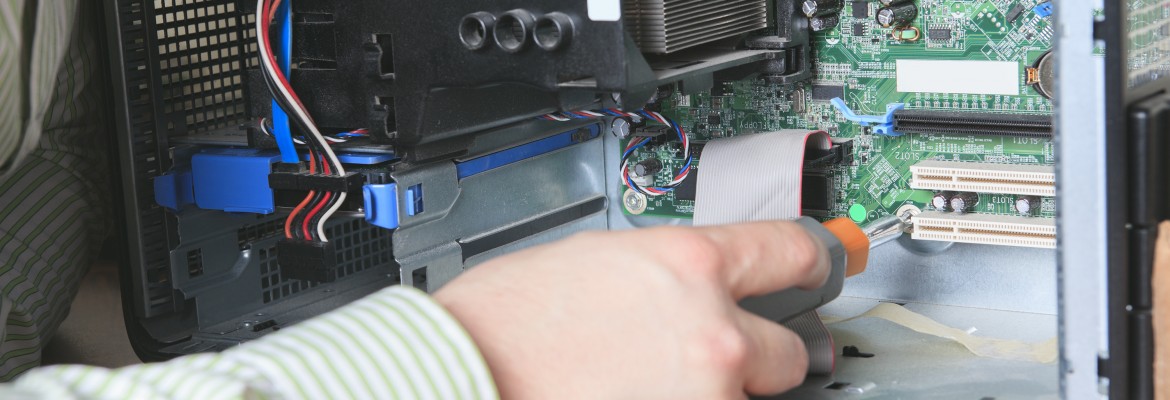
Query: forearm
396,343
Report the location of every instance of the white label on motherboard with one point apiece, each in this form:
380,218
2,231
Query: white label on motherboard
605,10
959,76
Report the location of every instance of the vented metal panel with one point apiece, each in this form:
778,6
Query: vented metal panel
665,26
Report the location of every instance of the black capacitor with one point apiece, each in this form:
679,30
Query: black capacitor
1027,205
647,167
897,15
818,24
821,8
964,202
941,201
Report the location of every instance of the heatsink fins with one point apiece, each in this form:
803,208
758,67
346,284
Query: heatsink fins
1000,230
666,26
1033,180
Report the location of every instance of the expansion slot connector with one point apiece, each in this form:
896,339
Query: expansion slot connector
1033,180
972,123
998,230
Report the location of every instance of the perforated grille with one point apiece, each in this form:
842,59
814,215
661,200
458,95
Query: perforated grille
204,48
360,246
252,233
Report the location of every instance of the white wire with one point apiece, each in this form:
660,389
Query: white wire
329,213
301,113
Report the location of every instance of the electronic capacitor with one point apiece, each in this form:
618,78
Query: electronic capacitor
941,201
1027,205
821,8
964,202
818,24
897,15
647,167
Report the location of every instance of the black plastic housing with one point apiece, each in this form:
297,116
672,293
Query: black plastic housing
401,70
307,261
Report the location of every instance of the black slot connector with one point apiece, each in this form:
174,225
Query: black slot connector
301,181
307,261
971,123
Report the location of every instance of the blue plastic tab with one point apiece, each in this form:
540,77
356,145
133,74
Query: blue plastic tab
281,129
234,180
360,158
882,125
414,200
1043,9
174,190
381,202
523,152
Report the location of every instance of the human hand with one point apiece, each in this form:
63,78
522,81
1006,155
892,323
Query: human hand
645,314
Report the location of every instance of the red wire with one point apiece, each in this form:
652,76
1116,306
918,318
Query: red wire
293,215
309,217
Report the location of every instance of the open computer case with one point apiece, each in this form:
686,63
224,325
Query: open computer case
464,168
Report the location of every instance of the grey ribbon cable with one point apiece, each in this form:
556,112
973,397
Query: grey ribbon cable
758,178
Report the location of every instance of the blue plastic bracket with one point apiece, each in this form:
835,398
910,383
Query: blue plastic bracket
280,124
174,190
381,202
1043,9
882,125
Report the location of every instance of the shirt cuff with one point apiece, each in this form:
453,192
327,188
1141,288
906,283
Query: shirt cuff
397,341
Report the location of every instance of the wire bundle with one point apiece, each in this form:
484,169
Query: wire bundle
322,160
637,143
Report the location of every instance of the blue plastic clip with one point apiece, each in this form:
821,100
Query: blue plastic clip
381,203
882,125
1043,9
175,189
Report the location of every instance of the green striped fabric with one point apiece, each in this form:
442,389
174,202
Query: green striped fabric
395,344
54,182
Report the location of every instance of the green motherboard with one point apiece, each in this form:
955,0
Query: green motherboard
857,62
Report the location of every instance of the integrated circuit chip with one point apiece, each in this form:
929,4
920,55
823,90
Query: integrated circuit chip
858,29
687,189
860,9
939,34
827,92
1015,13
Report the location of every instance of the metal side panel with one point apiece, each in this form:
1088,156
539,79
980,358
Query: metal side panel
497,208
1081,188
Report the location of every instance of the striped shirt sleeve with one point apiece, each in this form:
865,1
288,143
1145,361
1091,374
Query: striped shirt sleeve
32,51
396,344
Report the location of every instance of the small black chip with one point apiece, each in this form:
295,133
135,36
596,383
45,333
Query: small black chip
938,34
714,119
687,189
827,92
1015,13
858,29
860,9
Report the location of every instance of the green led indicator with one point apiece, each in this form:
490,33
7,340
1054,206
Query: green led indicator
858,213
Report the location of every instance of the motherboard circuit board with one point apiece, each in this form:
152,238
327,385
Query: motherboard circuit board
858,61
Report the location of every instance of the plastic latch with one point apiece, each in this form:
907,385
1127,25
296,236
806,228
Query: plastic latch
174,190
882,124
381,203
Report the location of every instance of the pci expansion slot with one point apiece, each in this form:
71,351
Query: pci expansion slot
999,230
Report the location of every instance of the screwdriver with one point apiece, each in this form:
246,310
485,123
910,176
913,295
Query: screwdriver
848,245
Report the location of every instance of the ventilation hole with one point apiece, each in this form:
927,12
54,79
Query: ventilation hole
195,263
386,44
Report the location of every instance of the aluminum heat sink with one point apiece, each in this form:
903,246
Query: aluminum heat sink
665,26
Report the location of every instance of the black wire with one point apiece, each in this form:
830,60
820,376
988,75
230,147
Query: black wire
315,146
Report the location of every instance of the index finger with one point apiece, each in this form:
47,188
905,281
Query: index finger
764,257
